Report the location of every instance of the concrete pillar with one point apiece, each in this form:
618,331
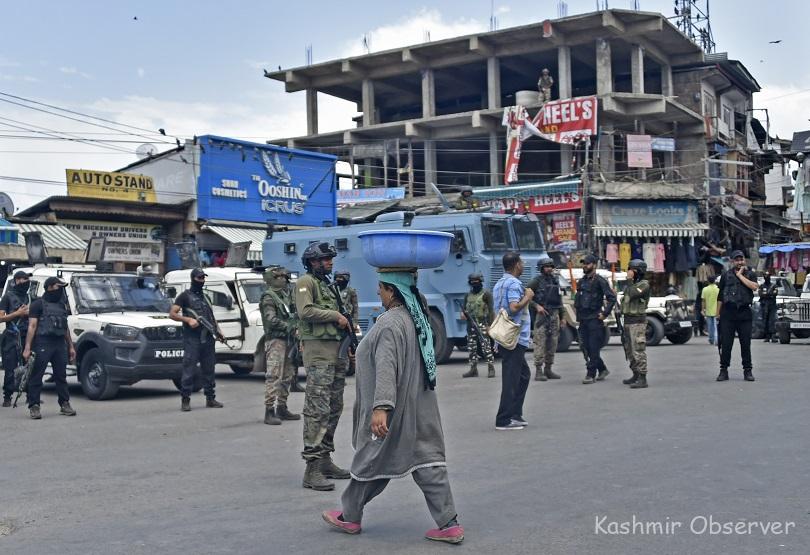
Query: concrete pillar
428,93
606,152
604,69
637,68
669,157
495,173
565,87
430,164
312,112
369,107
666,81
493,83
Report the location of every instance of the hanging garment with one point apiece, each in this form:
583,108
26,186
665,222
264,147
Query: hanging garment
624,256
612,253
704,272
801,277
660,255
793,261
648,253
806,258
637,248
681,260
691,254
669,257
777,261
690,287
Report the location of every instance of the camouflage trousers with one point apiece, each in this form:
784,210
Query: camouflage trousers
279,374
473,347
323,405
635,346
546,336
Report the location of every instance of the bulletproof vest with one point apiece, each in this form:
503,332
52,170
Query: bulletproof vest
325,300
637,306
347,299
281,302
548,294
54,320
199,304
734,292
20,325
476,306
589,295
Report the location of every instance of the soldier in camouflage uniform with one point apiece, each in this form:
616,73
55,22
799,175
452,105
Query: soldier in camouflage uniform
321,328
349,297
279,330
548,305
634,313
478,304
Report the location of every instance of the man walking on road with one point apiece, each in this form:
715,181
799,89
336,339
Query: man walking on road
594,302
737,286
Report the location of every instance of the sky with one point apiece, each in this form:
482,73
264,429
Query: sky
194,68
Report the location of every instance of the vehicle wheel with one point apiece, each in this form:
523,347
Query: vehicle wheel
681,337
441,345
565,340
240,370
655,331
195,389
801,334
96,381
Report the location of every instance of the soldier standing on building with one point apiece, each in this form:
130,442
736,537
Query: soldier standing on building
280,331
321,328
478,305
634,314
592,293
349,297
49,339
14,313
467,200
737,286
198,342
544,85
548,307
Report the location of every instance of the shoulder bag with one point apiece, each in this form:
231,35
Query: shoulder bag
503,329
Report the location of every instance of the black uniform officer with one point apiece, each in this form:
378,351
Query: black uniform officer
767,303
14,313
737,286
49,339
198,342
592,292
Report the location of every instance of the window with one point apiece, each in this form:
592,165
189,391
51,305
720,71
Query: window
96,293
728,117
253,291
459,244
709,104
496,234
528,236
342,244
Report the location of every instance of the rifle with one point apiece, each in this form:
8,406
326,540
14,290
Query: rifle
474,325
350,340
22,374
209,327
617,313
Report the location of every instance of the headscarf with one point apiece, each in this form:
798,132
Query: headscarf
406,284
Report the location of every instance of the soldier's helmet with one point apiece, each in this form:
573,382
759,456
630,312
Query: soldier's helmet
317,251
273,272
475,277
544,261
638,265
465,190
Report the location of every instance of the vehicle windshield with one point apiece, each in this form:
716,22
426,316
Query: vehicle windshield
119,293
528,235
253,291
496,235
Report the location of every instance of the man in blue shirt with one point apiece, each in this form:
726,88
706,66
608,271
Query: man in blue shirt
510,294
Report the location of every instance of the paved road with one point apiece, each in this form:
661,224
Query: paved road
135,475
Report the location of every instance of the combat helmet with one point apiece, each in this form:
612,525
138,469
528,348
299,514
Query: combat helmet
317,251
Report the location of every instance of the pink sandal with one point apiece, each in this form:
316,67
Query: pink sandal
331,518
453,534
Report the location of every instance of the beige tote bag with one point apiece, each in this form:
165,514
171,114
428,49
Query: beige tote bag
503,329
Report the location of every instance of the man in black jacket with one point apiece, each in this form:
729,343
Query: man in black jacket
737,286
594,302
14,313
767,303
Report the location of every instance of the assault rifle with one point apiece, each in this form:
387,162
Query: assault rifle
617,313
474,326
209,327
22,374
350,340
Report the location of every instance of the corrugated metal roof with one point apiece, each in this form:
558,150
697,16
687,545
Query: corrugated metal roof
650,230
54,236
240,235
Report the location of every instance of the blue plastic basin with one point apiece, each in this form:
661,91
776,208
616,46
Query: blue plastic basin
400,248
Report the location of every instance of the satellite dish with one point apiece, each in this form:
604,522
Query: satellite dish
145,151
6,205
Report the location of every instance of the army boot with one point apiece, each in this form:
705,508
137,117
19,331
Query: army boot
66,409
314,479
212,403
35,413
185,404
472,373
490,370
748,375
632,379
6,401
270,417
285,414
723,375
539,375
330,470
551,375
640,383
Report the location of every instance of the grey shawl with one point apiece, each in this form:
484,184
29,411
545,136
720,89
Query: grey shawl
390,373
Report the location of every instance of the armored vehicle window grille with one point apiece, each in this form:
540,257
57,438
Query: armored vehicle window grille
528,237
459,243
342,244
289,248
363,323
163,333
496,235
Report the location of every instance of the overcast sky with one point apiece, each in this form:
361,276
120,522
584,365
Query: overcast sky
196,67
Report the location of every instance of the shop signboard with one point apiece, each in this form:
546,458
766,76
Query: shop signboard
540,198
563,232
375,194
124,242
629,212
639,151
250,182
110,185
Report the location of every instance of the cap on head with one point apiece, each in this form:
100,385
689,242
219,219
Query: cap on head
475,277
19,274
197,273
737,254
589,259
53,280
638,265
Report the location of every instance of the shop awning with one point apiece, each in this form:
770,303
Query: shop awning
784,247
240,235
54,236
650,230
559,186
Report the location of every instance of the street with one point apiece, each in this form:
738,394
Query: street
135,475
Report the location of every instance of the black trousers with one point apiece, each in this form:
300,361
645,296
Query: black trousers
515,377
12,347
203,354
53,350
742,327
592,337
769,318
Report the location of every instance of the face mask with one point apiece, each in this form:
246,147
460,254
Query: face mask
342,283
477,287
197,286
53,296
22,288
278,282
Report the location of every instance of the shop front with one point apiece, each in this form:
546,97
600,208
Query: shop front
129,244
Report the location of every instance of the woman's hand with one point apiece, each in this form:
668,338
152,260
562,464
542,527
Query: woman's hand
379,423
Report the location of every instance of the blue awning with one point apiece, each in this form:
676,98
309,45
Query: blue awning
784,247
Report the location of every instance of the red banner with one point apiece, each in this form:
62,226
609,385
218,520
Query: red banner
539,204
